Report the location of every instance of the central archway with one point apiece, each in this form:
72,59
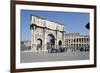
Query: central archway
50,41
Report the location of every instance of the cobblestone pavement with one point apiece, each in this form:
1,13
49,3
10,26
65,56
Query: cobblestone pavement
28,57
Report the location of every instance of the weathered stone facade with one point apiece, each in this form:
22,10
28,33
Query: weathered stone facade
76,41
45,34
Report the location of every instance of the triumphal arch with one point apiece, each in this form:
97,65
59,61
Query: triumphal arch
45,34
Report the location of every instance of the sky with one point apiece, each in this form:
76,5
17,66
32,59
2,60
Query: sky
73,21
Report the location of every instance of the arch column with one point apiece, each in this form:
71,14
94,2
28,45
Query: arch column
56,40
33,43
44,39
63,39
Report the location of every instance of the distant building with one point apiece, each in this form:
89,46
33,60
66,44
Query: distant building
76,41
26,42
25,45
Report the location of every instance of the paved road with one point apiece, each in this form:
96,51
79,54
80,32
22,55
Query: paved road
28,57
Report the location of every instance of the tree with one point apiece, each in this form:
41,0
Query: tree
87,25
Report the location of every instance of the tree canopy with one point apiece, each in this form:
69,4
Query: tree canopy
87,25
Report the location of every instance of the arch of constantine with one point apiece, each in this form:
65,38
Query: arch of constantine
45,34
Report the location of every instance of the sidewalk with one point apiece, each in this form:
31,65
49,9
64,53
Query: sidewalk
27,57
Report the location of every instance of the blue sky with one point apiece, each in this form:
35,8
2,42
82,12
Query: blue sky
73,21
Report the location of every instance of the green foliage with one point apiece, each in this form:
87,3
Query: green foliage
87,25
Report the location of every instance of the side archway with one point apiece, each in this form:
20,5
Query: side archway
39,44
60,43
